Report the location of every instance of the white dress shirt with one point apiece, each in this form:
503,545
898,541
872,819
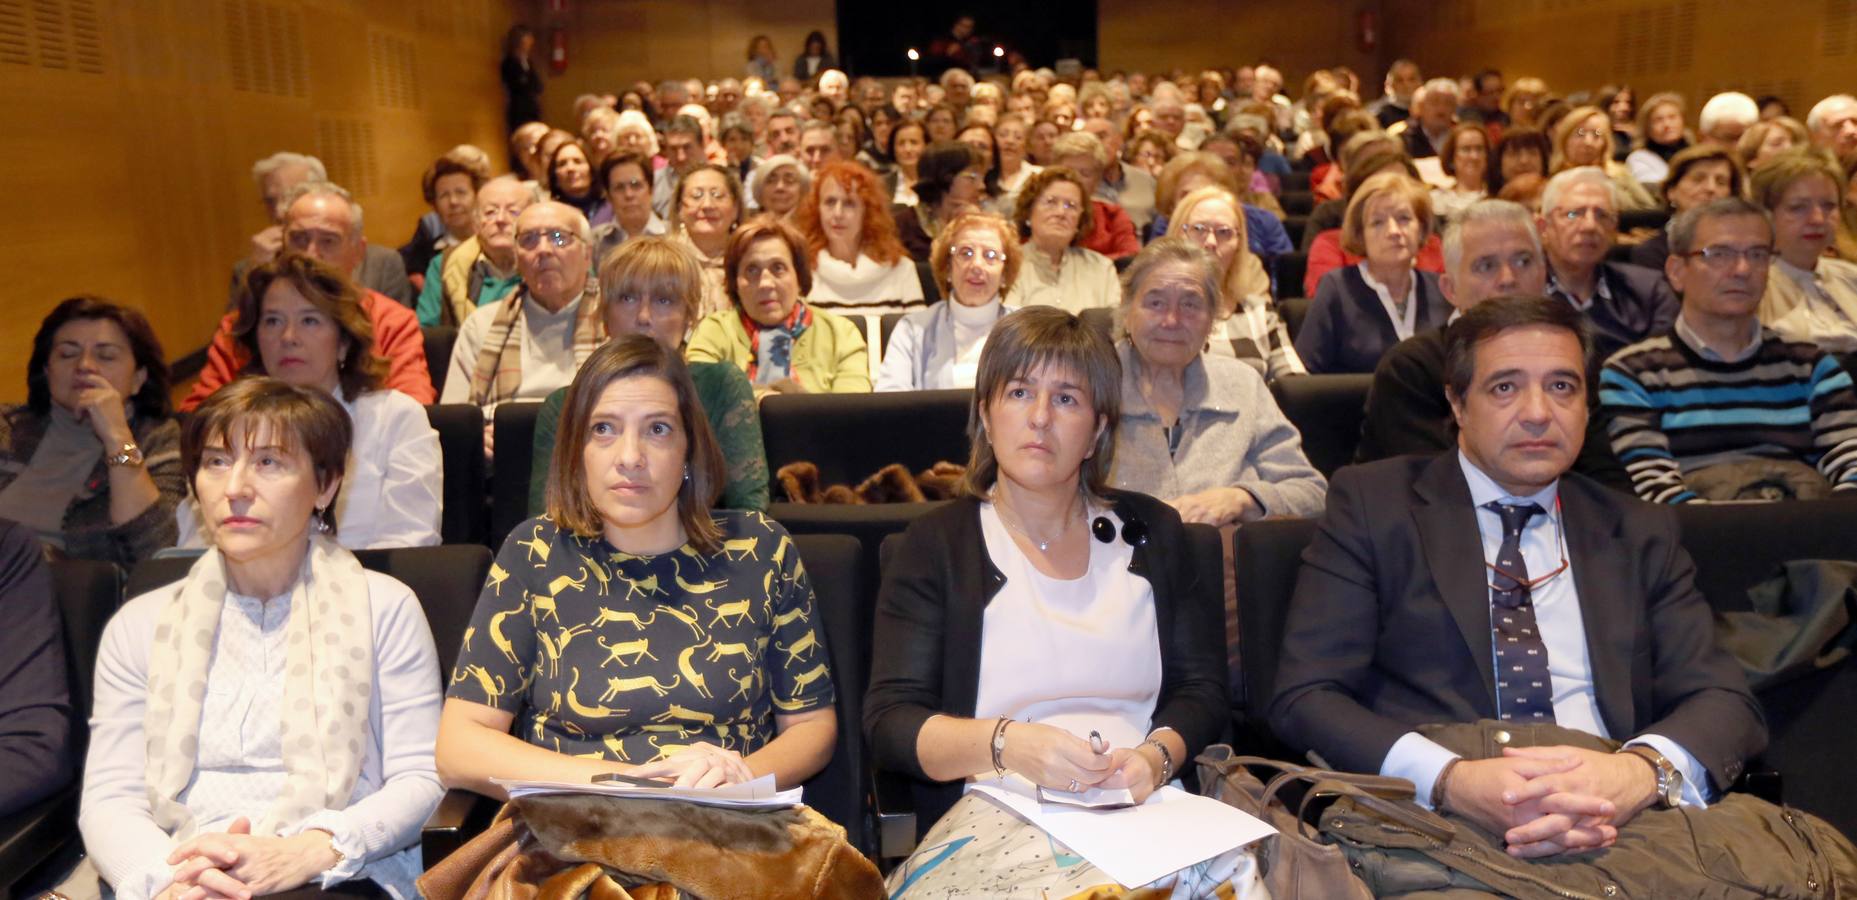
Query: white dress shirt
239,764
393,492
1563,629
1403,325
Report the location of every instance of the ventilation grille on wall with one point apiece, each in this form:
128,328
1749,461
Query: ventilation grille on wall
1657,38
1840,27
465,19
61,35
394,62
265,44
346,147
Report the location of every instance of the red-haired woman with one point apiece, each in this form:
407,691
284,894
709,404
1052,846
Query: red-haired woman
859,266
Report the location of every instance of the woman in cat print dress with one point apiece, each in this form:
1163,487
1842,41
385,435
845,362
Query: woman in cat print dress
632,629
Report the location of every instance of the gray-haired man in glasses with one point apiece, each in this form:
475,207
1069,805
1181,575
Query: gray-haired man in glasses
1723,409
525,346
1579,225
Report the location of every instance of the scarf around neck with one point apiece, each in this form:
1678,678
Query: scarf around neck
786,334
498,373
327,691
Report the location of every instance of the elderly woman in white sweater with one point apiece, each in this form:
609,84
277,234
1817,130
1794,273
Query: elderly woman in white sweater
1199,431
975,260
1053,214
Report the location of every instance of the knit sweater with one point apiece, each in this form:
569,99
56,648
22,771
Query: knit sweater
1671,411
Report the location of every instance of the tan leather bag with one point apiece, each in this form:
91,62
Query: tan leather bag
1298,861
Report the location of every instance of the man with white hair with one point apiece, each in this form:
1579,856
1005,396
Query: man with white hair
1578,223
1434,112
958,84
1833,122
279,174
482,269
1402,82
835,85
1725,117
1169,110
323,221
533,341
1490,250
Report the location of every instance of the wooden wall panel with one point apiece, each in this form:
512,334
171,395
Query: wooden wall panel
613,43
1802,50
130,130
1194,34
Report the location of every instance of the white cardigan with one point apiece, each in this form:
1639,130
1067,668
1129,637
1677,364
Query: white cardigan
393,493
397,790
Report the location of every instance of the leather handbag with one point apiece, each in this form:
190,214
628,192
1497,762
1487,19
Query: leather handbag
1297,861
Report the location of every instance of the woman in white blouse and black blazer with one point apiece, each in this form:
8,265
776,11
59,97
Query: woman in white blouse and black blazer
993,600
302,323
227,755
1361,311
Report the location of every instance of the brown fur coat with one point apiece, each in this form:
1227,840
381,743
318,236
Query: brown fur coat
568,847
799,483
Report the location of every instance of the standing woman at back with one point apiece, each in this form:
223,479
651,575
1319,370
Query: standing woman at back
520,80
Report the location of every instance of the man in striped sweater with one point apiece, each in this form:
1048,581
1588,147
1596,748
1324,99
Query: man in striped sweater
1720,389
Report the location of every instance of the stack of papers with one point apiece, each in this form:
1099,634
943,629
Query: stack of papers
1139,844
756,794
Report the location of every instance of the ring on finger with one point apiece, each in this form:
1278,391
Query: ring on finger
1073,785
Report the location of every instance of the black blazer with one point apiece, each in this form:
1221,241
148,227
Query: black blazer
928,629
1389,628
1347,329
1642,306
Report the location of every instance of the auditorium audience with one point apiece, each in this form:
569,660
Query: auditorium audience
481,269
629,501
858,265
1361,311
1434,113
1199,430
571,181
1052,218
1148,151
1403,83
1809,297
1661,136
1011,134
1523,102
528,344
324,221
779,184
1769,138
763,60
950,180
1725,117
976,261
281,178
1519,152
960,697
1465,156
1245,321
1490,250
227,759
1695,176
450,187
769,331
1833,122
90,462
654,286
709,207
907,143
303,325
1584,138
683,152
627,178
1579,223
1722,408
1188,172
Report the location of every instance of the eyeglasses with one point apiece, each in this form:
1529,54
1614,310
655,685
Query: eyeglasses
965,253
971,175
1056,203
1598,214
1588,133
630,184
1724,257
697,195
1220,233
529,240
1529,584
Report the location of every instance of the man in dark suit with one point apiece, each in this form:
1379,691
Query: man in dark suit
1491,584
1579,223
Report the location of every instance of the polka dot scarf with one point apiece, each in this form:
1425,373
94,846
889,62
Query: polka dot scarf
330,680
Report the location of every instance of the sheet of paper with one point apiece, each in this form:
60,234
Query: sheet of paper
1139,844
757,794
1089,798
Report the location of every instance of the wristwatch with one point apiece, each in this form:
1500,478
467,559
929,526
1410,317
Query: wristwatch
1669,777
129,455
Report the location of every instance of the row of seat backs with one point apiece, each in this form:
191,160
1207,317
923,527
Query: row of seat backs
1734,548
